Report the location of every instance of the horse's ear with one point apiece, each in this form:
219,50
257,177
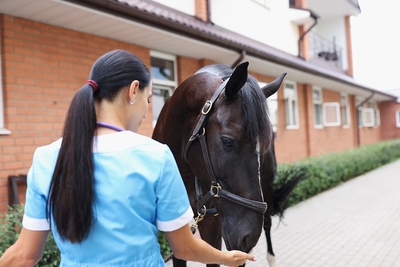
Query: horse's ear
272,87
236,81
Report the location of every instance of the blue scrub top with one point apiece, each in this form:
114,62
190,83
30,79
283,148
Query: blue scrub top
138,191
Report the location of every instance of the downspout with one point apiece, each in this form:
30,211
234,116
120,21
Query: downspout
241,57
358,118
208,12
315,17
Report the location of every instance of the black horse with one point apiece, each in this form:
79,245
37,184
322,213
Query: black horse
217,127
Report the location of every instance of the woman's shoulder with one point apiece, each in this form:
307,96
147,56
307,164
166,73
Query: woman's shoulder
51,148
126,140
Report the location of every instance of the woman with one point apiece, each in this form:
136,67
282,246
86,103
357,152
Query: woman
105,190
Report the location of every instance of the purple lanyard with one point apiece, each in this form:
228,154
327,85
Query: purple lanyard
110,126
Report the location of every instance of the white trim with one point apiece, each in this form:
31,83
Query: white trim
3,130
370,112
347,108
294,122
317,102
325,113
35,224
170,57
169,226
398,118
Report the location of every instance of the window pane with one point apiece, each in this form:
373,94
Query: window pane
343,112
318,114
317,95
162,69
293,115
160,94
272,104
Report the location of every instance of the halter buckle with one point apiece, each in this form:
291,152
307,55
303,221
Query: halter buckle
207,107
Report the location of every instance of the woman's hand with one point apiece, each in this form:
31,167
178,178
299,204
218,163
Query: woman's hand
237,258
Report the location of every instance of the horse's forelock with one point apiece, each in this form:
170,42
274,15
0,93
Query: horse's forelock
255,114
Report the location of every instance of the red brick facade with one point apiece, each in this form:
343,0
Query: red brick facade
43,66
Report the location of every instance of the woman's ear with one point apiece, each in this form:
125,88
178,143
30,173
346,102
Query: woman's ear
133,90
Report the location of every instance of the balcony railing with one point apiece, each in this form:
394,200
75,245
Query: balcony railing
326,50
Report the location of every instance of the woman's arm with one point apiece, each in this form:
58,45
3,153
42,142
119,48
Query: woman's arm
26,251
186,247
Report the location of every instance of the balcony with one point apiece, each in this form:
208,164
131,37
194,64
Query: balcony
326,50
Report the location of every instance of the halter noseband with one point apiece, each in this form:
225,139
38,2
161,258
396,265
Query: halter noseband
216,190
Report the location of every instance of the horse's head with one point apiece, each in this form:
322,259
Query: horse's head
237,132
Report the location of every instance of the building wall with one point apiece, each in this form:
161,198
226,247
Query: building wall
388,128
268,23
43,66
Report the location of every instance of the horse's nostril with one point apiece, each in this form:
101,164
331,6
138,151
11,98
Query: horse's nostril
244,244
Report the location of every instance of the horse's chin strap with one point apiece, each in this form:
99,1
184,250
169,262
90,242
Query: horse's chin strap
215,190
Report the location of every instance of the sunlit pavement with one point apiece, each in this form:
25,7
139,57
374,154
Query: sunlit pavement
356,224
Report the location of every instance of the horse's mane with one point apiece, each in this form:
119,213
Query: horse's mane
255,113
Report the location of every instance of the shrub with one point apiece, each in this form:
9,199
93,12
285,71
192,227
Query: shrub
11,225
327,171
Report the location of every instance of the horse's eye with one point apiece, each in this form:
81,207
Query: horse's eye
228,142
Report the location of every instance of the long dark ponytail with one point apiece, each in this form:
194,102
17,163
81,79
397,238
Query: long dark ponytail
71,192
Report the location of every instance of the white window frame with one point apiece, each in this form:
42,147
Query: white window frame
359,111
336,106
3,130
318,102
164,84
294,121
374,106
272,100
368,112
166,57
398,118
345,106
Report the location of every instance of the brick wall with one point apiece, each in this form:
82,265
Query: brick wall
43,66
388,120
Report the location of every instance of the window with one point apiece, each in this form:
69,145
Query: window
368,113
376,114
331,114
344,110
163,70
272,105
3,130
398,118
290,95
368,117
317,100
359,101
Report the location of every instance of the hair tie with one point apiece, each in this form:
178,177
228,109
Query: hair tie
93,84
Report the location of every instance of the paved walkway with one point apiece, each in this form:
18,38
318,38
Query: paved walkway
356,224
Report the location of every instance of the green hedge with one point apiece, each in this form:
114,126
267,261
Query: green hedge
322,173
10,227
327,171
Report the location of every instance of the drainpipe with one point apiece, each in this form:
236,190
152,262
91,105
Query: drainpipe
241,57
315,17
358,118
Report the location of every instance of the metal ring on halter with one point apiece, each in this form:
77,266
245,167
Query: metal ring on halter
216,187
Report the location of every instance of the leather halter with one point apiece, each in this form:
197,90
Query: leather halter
216,190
